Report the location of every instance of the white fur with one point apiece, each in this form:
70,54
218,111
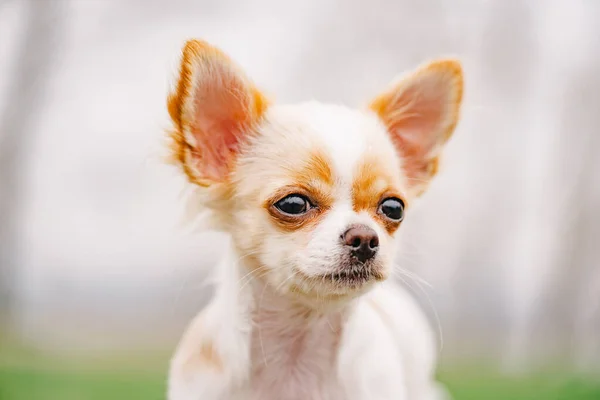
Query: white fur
264,343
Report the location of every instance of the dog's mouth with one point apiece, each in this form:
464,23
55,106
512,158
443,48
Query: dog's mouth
346,280
354,276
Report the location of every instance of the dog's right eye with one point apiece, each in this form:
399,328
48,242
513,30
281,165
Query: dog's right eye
294,204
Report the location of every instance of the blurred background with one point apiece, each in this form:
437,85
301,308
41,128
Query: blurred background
98,277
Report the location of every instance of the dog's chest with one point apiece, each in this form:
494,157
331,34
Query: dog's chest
295,362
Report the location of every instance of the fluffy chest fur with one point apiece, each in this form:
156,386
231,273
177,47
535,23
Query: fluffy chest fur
342,355
294,350
378,347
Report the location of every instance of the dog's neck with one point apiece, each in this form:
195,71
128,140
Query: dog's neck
282,327
290,336
272,309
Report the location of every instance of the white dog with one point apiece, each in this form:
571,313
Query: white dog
311,195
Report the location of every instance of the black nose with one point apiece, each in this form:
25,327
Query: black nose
362,242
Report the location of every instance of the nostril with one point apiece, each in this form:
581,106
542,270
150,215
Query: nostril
362,241
374,243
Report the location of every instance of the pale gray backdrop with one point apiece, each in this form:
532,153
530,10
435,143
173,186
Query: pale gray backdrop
91,253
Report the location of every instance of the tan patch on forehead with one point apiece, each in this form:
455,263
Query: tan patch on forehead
317,169
315,181
373,183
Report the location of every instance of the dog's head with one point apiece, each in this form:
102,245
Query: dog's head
312,194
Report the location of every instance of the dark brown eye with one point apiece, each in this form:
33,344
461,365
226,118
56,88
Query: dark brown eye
392,208
294,204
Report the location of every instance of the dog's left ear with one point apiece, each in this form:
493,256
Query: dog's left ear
420,113
214,109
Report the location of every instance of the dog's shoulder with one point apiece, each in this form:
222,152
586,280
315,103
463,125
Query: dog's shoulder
197,349
403,315
210,359
414,335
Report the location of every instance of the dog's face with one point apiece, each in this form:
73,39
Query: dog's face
312,194
319,195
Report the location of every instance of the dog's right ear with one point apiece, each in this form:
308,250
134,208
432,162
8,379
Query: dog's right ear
420,113
214,109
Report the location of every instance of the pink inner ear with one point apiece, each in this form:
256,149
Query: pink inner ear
416,121
220,117
416,116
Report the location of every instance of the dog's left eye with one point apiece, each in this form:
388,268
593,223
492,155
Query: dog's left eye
392,208
294,204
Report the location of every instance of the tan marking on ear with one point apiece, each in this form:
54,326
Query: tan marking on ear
372,183
315,181
182,150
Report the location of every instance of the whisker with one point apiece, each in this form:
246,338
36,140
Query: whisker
430,303
250,275
415,277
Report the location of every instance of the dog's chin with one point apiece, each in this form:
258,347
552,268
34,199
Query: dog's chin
340,283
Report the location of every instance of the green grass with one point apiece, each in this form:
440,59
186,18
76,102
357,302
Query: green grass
483,384
18,383
29,377
31,384
27,374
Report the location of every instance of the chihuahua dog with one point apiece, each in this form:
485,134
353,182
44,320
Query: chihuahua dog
311,196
